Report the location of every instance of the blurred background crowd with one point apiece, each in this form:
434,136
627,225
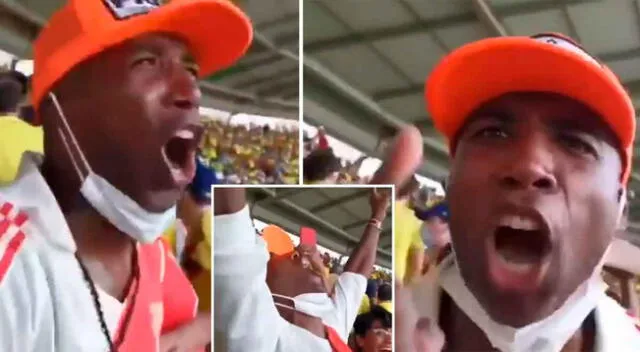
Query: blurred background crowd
250,153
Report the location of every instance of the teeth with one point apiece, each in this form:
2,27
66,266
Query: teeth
185,134
519,223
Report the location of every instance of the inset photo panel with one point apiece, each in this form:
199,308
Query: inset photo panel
116,117
529,112
304,268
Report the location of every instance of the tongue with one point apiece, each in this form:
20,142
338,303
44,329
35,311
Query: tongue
520,246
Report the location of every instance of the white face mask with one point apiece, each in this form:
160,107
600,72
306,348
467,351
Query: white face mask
121,211
549,334
317,305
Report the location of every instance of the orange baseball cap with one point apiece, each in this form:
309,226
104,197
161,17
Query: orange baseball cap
216,31
278,241
486,69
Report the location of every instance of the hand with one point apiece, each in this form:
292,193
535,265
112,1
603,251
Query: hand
403,157
379,201
413,334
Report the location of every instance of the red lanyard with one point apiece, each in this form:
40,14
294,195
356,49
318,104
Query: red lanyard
337,345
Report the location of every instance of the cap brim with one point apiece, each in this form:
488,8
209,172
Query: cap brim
487,69
278,242
216,31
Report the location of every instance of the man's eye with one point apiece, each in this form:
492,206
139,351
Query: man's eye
145,61
491,132
578,145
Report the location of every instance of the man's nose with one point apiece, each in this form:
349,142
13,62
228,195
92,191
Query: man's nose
184,90
305,261
530,165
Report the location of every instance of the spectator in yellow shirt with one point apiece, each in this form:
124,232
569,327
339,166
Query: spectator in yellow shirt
409,247
369,298
16,135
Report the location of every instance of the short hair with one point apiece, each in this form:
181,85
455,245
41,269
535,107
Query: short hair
384,292
320,164
372,288
365,321
11,92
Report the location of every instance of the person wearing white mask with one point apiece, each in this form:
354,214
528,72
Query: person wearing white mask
275,297
541,137
82,267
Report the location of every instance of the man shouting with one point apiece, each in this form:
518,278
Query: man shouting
115,88
541,136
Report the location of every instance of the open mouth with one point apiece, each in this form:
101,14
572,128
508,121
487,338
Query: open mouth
179,154
521,245
520,251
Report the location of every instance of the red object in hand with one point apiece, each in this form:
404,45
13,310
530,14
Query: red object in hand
323,142
308,236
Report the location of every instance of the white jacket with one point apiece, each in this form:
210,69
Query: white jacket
38,271
45,303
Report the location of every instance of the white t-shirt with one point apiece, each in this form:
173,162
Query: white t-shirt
615,330
244,312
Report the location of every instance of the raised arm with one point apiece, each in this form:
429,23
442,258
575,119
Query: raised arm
241,295
228,200
403,158
364,255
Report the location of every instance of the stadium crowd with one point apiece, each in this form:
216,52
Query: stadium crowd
250,154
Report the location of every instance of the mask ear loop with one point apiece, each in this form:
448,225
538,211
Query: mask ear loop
283,297
284,305
74,141
73,160
622,209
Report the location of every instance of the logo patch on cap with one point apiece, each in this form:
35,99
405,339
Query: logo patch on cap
123,9
566,45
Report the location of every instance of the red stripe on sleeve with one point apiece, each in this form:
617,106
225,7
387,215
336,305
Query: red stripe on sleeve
10,252
5,209
20,219
4,226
